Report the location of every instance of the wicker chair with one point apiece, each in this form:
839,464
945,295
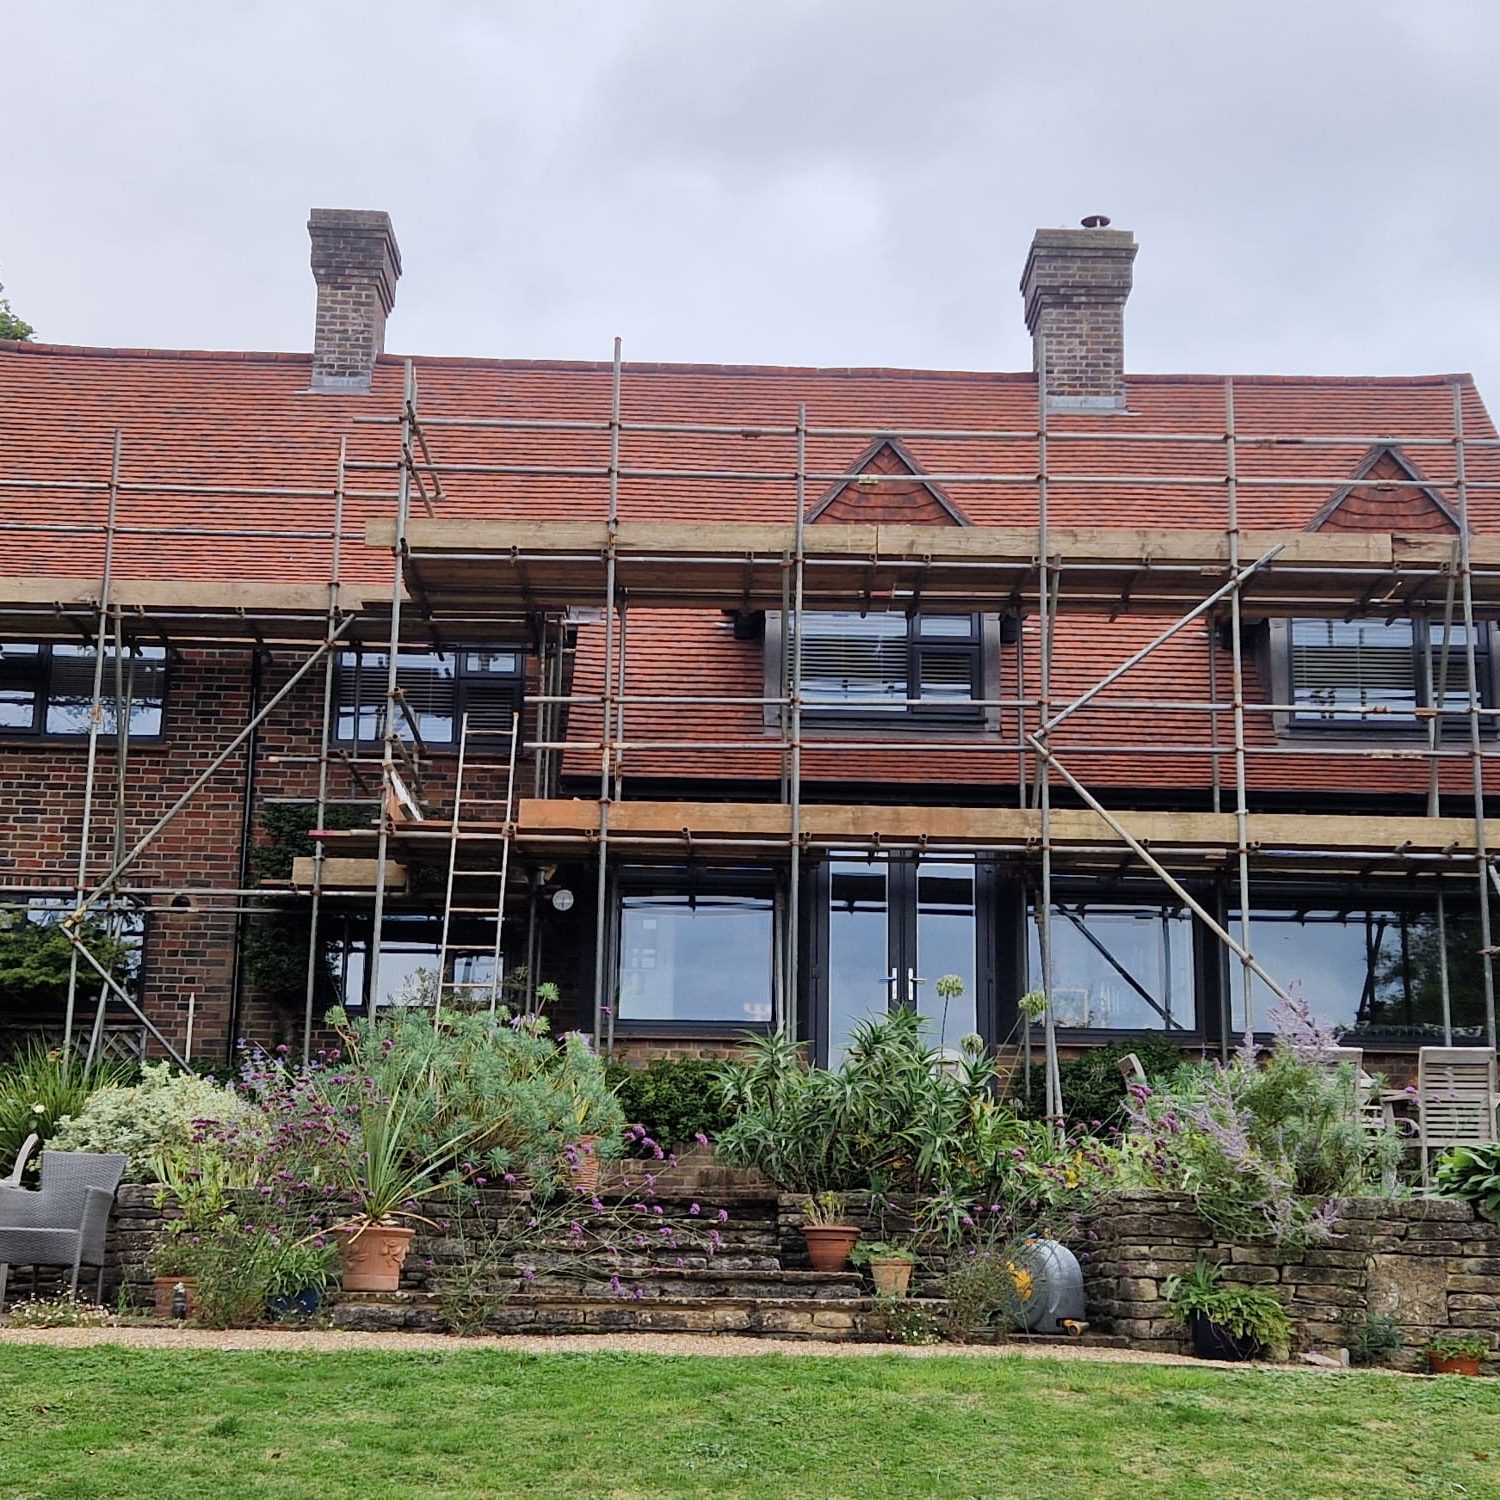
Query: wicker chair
64,1222
1457,1099
19,1166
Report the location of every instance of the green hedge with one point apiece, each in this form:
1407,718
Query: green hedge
1092,1086
674,1100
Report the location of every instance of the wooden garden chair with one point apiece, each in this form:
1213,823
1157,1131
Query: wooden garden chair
1456,1099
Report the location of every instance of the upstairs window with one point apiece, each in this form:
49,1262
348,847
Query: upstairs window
437,687
49,690
1379,664
875,663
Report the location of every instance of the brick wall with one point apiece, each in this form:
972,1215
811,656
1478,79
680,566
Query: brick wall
1432,1265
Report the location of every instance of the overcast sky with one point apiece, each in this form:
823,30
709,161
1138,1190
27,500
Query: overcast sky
1312,182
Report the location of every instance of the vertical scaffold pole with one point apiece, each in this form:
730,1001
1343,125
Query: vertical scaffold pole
1046,618
392,717
792,1020
606,715
325,739
1476,728
96,713
1237,687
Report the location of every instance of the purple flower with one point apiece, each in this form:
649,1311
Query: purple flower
701,1139
694,1210
723,1216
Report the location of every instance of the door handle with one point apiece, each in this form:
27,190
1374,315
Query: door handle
911,987
891,981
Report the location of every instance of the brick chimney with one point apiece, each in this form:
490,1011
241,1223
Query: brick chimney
355,262
1075,285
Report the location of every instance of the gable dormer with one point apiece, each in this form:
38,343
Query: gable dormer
891,492
1387,495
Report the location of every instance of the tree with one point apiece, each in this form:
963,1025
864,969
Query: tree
11,326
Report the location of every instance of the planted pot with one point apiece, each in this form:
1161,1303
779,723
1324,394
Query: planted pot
302,1305
1213,1341
164,1294
1452,1364
828,1245
891,1275
371,1256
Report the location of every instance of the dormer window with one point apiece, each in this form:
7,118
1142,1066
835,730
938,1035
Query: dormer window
891,663
1395,670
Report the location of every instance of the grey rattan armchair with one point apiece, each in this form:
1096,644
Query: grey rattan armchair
64,1222
22,1157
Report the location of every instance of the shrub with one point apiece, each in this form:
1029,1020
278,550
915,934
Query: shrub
673,1101
1471,1173
1262,1149
986,1281
1371,1339
1094,1092
39,1088
165,1113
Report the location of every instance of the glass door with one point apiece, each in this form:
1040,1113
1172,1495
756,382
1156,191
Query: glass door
897,924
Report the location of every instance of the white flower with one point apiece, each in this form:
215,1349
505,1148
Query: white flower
37,1109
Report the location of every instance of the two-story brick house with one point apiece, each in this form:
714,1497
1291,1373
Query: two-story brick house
718,819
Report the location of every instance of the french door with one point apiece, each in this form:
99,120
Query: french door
896,924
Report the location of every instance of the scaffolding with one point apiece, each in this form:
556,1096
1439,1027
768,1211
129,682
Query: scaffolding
458,580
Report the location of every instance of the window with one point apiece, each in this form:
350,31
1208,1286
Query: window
438,688
50,689
697,951
1118,967
874,663
1367,971
1379,664
410,946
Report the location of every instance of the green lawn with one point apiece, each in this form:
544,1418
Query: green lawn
111,1422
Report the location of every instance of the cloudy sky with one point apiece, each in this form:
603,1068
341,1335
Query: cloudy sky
785,181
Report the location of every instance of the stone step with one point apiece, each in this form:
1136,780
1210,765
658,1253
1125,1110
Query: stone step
776,1317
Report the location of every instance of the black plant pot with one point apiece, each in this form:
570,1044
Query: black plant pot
1212,1341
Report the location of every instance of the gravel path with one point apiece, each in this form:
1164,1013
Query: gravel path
327,1341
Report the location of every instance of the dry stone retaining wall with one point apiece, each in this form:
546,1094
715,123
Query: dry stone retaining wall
1432,1265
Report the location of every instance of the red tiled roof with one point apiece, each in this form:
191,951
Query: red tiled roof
249,420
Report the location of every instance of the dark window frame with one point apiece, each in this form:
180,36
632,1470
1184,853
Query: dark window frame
981,645
1424,648
669,881
36,674
465,680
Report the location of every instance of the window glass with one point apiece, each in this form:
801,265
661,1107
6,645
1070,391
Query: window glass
410,949
20,685
1354,664
1367,972
861,981
887,663
1119,967
699,956
946,944
437,688
51,688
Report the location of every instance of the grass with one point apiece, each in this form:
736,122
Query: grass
109,1422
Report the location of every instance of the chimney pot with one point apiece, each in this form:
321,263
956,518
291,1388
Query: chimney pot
355,263
1075,285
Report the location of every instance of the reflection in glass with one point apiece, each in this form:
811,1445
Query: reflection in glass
696,957
1118,967
946,945
858,947
1367,972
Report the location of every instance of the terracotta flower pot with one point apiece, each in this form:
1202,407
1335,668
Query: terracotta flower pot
371,1258
164,1288
891,1275
828,1245
1453,1364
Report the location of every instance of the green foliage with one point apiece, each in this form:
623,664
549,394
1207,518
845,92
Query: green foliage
1473,1174
39,1088
1371,1338
1456,1346
1255,1316
673,1101
36,956
12,326
1094,1092
248,1261
985,1286
1263,1147
866,1251
895,1117
908,1322
496,1092
157,1117
287,825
